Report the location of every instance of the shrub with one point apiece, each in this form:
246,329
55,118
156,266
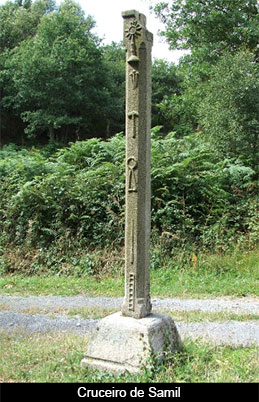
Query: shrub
77,198
74,199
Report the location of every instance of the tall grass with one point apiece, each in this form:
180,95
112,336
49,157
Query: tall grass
201,275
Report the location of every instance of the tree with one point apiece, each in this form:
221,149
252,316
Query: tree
58,75
114,113
229,112
214,31
216,25
19,21
165,83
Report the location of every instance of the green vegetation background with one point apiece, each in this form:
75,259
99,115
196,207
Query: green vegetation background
63,212
62,159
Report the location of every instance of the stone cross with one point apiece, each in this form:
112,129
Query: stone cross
138,43
122,341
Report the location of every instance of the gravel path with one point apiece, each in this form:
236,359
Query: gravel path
40,323
13,316
48,303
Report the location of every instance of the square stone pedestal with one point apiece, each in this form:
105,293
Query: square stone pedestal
122,343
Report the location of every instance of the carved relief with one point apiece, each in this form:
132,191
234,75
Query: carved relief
131,291
134,30
132,179
137,42
132,33
132,252
133,116
134,75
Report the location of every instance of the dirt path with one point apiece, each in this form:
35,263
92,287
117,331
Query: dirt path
243,305
14,317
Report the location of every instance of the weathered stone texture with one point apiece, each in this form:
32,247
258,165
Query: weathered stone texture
123,343
138,43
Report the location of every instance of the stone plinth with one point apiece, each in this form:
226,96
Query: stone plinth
122,343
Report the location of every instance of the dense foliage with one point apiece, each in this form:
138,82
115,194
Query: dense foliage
230,109
219,77
58,84
73,200
53,73
214,25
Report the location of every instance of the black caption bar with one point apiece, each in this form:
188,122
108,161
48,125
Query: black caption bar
181,392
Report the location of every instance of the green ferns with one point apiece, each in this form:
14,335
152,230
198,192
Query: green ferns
74,198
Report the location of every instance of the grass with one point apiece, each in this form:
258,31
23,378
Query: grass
164,283
101,312
200,316
56,358
186,316
91,286
206,275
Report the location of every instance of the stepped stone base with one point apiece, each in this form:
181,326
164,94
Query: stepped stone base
122,343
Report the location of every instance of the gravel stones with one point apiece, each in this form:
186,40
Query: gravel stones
13,316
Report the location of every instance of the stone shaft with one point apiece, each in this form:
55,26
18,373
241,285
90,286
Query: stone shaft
138,43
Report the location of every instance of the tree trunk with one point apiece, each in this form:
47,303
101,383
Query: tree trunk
107,134
65,136
22,139
51,134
